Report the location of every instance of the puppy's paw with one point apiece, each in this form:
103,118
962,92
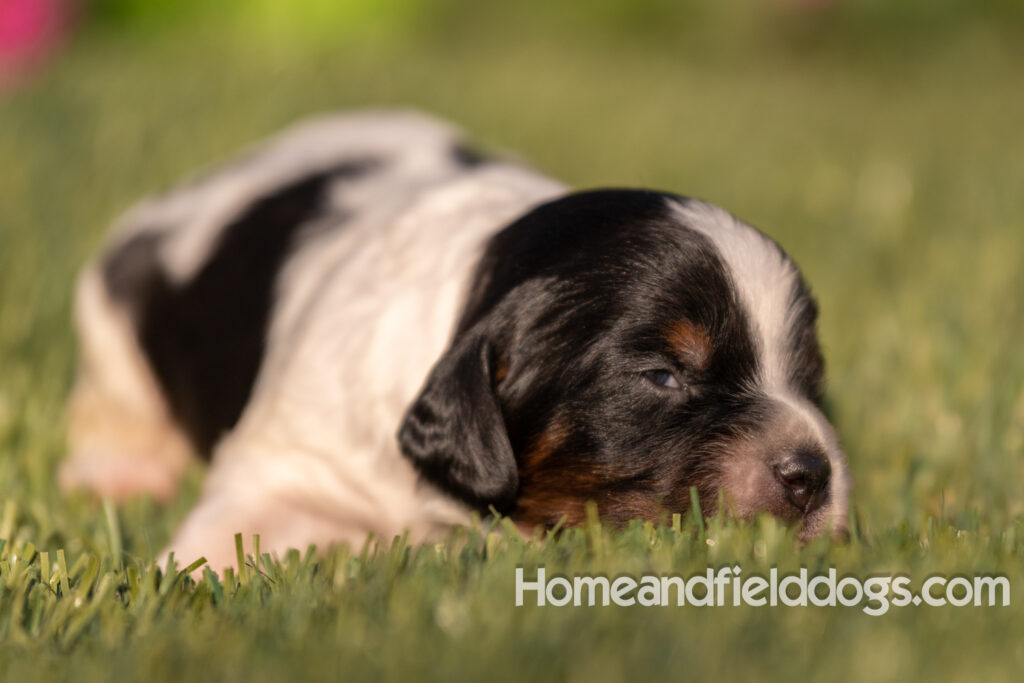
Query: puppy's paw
209,530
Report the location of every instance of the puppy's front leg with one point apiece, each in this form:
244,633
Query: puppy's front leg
292,497
282,524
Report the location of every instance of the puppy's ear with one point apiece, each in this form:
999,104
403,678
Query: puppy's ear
454,431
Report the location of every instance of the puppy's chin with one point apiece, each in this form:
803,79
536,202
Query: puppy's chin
819,523
823,522
757,493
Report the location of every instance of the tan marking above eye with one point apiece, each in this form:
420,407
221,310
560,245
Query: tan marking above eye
691,342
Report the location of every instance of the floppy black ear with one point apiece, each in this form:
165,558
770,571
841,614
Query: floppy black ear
454,431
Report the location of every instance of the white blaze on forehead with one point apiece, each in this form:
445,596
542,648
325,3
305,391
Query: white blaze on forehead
764,278
765,282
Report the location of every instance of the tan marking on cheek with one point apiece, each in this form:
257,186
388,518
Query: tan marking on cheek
548,506
692,342
501,372
547,442
554,489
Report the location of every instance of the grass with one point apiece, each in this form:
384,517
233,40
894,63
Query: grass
891,170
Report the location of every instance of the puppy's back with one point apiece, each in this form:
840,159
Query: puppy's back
173,315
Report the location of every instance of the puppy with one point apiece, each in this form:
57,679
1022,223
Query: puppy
368,275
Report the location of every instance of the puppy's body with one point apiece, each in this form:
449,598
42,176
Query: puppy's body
282,313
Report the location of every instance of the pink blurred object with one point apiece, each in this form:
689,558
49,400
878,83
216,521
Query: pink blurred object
30,31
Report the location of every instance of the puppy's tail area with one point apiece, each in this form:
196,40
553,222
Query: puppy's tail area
122,440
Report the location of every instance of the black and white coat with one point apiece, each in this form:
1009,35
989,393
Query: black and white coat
370,328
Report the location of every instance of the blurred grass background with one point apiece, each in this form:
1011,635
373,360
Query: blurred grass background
881,142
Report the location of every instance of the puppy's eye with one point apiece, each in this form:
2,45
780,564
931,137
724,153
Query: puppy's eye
663,378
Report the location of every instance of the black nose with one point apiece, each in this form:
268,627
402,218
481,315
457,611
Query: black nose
804,475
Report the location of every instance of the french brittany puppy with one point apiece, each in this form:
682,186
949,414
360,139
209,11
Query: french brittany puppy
368,327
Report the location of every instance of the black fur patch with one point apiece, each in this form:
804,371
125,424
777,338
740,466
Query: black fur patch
205,338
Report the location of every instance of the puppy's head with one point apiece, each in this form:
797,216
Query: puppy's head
625,346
